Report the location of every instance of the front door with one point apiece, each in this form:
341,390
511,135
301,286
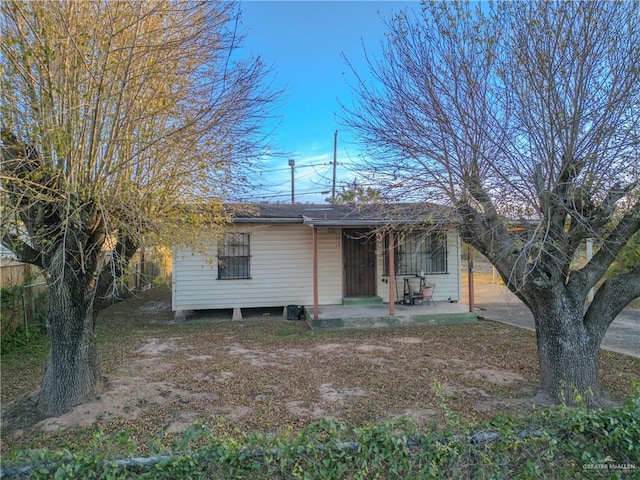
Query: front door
359,260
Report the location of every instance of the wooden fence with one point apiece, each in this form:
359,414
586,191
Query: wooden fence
147,266
15,273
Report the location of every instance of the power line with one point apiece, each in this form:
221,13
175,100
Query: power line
310,165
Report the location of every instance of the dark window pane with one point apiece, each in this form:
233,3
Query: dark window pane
233,256
418,252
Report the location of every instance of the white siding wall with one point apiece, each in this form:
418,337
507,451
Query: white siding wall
330,271
281,271
447,285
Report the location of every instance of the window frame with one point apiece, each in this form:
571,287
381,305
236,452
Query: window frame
418,252
234,256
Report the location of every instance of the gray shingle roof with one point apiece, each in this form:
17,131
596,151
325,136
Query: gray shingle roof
346,214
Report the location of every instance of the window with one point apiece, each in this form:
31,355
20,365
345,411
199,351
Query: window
418,252
233,256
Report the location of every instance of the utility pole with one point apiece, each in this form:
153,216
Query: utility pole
292,164
335,163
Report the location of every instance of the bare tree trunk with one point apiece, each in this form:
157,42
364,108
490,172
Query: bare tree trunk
71,372
568,353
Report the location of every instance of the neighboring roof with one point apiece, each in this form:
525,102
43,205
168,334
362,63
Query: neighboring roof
381,214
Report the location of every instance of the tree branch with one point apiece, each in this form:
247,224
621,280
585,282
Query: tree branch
23,251
611,298
610,247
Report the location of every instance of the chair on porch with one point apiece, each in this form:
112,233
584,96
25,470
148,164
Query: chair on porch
427,290
423,293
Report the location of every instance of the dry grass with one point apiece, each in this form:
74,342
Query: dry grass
268,374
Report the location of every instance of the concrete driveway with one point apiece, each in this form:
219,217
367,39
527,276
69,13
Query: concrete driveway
496,302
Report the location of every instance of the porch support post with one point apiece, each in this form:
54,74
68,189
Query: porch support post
392,276
315,273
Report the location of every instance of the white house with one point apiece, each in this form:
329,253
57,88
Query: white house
276,255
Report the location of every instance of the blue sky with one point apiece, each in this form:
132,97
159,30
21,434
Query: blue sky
304,42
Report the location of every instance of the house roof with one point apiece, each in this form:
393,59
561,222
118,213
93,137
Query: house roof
372,215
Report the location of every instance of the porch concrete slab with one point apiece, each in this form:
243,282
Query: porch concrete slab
368,316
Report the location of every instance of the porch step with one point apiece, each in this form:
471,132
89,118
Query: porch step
370,300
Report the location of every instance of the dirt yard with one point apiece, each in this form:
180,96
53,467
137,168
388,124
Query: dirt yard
268,374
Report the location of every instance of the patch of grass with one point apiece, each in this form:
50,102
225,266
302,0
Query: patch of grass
289,330
23,359
24,343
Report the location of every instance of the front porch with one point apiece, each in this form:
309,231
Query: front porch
377,315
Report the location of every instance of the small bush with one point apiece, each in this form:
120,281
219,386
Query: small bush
22,339
11,308
15,335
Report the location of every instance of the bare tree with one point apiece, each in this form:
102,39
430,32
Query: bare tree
114,115
524,111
